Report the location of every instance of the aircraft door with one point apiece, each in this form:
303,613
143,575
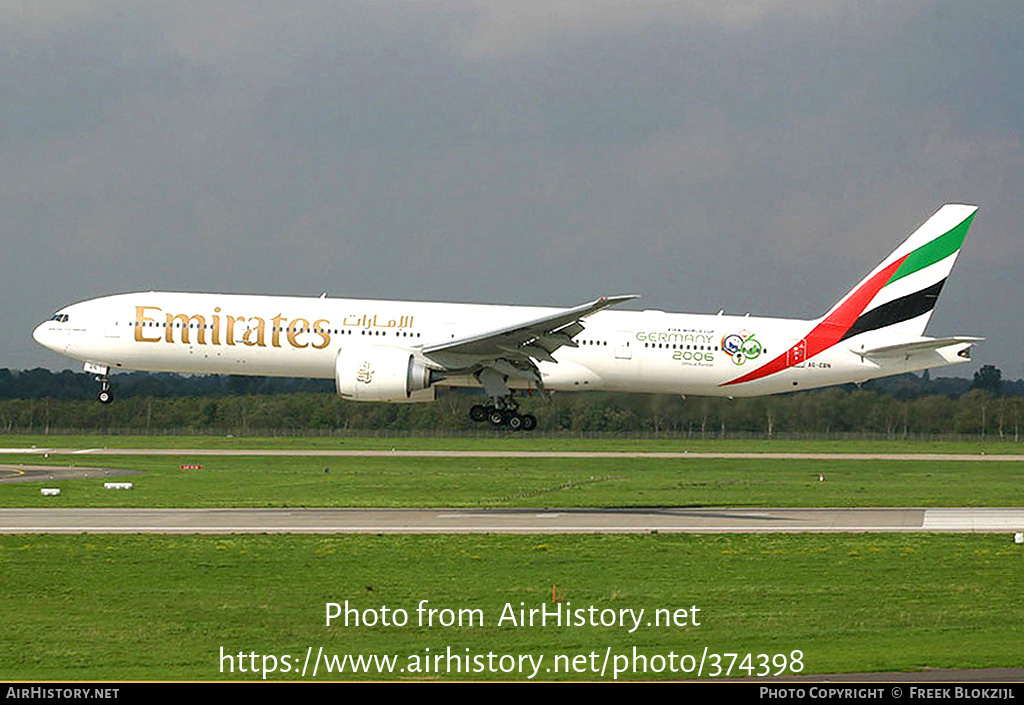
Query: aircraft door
797,352
623,349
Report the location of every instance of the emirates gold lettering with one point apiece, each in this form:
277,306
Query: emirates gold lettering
231,327
325,335
218,328
296,328
140,323
259,330
185,322
275,336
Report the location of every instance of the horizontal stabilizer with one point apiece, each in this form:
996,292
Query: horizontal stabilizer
915,347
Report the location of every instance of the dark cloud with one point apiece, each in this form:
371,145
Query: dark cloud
754,156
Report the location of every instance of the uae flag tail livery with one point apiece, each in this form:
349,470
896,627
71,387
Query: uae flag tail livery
883,318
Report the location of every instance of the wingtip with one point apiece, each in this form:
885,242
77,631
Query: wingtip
615,299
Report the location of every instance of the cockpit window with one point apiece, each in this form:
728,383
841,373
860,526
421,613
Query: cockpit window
60,317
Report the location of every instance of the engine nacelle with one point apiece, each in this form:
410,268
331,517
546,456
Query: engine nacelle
382,373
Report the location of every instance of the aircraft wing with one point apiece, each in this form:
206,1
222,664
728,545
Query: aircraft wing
915,347
522,342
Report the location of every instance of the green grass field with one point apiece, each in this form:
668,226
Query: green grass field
161,607
152,607
527,482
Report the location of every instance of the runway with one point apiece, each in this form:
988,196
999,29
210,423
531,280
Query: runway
212,452
508,521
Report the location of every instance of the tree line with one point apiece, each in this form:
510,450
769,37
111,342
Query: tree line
41,383
39,401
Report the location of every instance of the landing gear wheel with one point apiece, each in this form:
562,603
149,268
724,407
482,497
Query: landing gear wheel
529,422
478,412
496,417
105,396
515,422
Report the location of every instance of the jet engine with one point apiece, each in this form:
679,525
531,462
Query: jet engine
383,373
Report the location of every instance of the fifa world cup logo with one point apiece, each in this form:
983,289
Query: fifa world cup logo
741,347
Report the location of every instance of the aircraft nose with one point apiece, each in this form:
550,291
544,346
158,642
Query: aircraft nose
43,336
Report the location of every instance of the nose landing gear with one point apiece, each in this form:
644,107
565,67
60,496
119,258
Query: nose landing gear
106,395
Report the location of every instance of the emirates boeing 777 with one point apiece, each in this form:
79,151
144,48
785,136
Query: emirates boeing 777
403,351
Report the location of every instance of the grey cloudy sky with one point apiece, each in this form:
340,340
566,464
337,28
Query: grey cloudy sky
754,156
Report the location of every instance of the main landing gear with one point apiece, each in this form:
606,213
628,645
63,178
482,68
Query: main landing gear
503,409
505,415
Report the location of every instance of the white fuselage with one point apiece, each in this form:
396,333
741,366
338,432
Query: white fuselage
648,351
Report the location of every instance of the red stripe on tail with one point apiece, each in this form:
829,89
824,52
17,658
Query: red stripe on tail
830,331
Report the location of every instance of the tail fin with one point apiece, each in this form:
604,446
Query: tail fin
896,297
900,293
